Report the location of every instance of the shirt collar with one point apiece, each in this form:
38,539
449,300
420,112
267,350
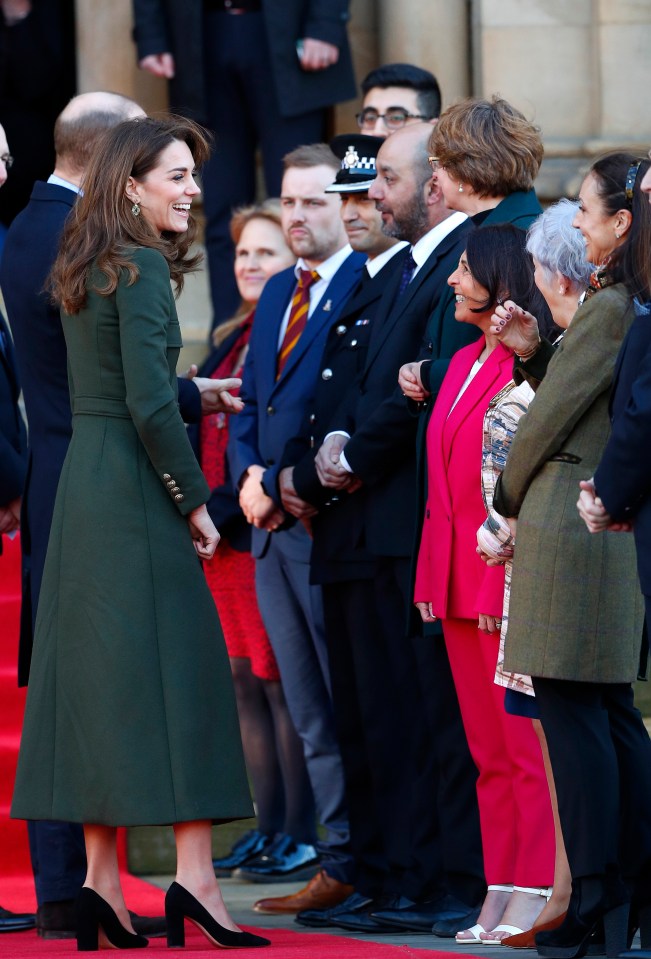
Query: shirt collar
58,181
428,243
374,266
329,267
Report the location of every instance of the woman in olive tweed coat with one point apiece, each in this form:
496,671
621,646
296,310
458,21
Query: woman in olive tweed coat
576,611
130,715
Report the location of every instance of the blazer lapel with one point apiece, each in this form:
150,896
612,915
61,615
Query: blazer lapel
268,335
479,391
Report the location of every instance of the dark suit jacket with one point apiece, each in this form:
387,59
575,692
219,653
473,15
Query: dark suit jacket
30,249
273,410
13,443
381,450
165,25
337,552
623,477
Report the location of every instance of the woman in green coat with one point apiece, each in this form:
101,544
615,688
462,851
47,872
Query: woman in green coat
130,716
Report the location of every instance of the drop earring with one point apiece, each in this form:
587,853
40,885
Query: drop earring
460,190
135,209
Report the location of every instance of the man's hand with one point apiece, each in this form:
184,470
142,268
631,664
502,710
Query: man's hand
426,614
410,383
259,509
317,54
515,328
329,470
160,64
203,532
215,397
488,559
291,500
593,512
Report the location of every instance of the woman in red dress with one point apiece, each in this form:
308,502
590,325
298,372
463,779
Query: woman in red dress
272,749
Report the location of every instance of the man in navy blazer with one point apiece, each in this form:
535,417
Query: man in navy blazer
273,410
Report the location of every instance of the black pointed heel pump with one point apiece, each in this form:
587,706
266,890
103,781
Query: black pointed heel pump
94,913
181,905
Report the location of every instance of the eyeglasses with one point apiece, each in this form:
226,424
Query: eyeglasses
434,163
630,179
7,159
394,118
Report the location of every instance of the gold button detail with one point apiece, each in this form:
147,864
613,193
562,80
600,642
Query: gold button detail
179,497
176,489
166,476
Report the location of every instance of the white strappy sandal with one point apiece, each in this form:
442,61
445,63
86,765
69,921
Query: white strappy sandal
478,929
490,939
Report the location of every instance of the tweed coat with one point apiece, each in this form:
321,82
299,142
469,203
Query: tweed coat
130,715
575,607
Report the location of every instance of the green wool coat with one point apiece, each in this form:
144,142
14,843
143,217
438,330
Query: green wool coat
130,715
576,609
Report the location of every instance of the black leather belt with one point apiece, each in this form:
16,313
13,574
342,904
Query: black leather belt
234,7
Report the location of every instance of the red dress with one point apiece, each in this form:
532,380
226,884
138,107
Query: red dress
231,573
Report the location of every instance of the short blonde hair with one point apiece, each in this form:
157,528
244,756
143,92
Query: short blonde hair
489,145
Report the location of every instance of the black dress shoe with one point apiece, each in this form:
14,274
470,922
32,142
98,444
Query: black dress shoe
421,916
319,918
362,920
153,927
448,928
282,860
247,847
16,921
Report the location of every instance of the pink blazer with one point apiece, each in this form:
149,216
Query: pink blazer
449,573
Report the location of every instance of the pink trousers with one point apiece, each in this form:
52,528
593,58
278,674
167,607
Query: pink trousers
514,805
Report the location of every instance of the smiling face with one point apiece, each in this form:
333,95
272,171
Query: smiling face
469,296
363,224
260,252
310,216
598,228
165,194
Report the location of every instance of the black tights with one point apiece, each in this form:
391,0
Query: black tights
274,756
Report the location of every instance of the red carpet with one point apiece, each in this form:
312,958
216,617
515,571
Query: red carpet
285,944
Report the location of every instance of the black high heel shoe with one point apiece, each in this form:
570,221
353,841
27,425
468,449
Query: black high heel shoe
181,905
594,899
94,913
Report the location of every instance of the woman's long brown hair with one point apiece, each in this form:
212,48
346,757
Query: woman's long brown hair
102,229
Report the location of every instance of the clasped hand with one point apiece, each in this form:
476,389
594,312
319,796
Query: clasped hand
329,469
593,512
260,510
203,532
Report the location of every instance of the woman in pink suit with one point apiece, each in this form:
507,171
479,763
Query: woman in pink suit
454,585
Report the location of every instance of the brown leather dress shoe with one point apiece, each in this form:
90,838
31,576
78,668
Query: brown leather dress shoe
321,892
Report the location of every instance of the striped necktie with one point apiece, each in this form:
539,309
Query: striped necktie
297,317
